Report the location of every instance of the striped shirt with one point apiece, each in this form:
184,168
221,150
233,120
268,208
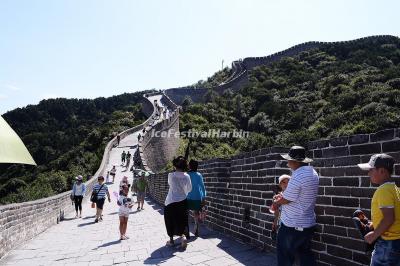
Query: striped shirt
103,192
302,191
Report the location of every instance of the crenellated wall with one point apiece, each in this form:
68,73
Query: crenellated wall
240,189
179,94
240,68
156,150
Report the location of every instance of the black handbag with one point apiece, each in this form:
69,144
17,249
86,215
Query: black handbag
93,197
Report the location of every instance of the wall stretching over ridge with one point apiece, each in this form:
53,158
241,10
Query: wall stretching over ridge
20,222
241,68
179,94
240,189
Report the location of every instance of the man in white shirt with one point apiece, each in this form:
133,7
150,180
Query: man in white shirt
297,216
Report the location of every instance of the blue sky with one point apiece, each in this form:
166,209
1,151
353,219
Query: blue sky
93,48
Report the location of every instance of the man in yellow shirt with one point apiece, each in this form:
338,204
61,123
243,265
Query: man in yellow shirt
385,211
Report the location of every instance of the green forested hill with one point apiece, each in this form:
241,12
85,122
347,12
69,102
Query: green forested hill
66,137
338,89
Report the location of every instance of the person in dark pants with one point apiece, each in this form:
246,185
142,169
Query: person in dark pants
101,191
175,211
118,139
297,216
78,192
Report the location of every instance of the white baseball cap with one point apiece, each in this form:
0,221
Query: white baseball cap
283,177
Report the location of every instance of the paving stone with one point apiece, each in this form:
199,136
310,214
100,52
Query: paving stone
198,259
221,262
83,242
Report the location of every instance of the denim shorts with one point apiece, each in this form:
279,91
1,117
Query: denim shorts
386,252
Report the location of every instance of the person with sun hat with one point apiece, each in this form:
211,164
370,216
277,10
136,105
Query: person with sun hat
298,218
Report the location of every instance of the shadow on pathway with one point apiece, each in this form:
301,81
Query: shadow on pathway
108,244
85,224
229,251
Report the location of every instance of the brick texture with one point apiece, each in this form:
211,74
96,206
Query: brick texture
240,190
20,222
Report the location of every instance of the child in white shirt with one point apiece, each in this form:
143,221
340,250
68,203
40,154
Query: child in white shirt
125,204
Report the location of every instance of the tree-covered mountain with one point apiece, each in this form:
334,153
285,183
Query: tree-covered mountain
334,90
66,137
337,89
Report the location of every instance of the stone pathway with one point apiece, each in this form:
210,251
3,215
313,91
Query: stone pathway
83,242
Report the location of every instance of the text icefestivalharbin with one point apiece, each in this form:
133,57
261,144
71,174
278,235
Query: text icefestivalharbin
211,133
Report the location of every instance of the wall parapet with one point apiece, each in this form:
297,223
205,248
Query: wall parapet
240,189
155,151
241,68
20,222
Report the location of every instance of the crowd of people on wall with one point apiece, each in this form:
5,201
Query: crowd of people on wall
293,206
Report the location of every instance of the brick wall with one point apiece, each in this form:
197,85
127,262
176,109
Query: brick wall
240,189
240,68
22,221
179,94
156,150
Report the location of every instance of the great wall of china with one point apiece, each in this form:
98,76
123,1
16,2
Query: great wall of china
240,188
241,68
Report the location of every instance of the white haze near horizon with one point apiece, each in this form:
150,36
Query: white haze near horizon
94,48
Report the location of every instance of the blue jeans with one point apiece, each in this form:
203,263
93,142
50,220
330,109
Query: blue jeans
292,243
386,252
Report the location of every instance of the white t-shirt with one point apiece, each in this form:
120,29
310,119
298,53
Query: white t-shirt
124,202
179,187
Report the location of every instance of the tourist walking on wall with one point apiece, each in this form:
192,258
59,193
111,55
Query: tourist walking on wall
297,216
175,211
125,204
113,172
196,197
77,193
385,211
118,139
128,159
123,156
101,191
141,185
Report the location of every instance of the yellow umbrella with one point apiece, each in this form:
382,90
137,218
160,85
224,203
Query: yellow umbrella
12,149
